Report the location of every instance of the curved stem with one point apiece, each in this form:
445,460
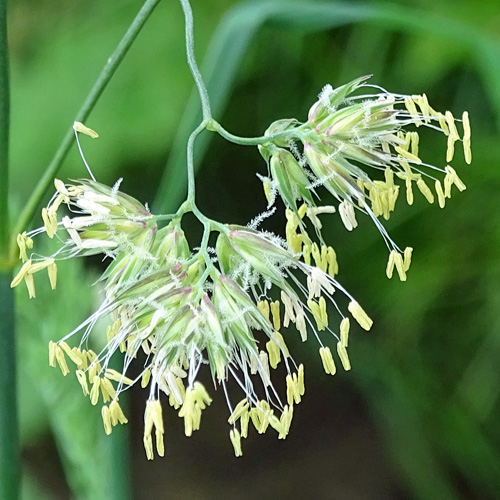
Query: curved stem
89,103
253,141
193,66
190,161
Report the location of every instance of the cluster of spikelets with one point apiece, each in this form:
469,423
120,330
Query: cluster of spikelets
344,133
174,309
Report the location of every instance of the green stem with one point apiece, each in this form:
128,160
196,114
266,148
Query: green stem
89,103
254,141
9,436
202,89
190,161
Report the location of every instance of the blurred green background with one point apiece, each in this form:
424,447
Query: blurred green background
417,417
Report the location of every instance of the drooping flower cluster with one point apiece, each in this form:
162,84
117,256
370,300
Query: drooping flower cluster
183,310
230,307
345,132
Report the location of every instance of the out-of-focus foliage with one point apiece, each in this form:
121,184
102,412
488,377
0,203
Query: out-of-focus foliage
425,380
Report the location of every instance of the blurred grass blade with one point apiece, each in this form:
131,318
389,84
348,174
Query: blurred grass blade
241,24
9,440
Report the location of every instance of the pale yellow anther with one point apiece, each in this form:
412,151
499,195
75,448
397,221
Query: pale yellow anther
244,420
344,358
423,103
306,254
80,127
300,380
94,392
440,194
52,272
240,409
466,138
390,264
442,122
94,369
25,268
303,209
278,338
286,420
412,109
289,309
196,400
264,368
331,259
450,121
148,446
425,190
83,357
74,356
344,331
301,325
112,330
276,424
235,438
30,285
24,242
82,379
117,415
409,191
389,177
408,155
117,377
452,174
106,418
407,258
327,360
52,353
38,266
146,376
400,268
319,313
47,223
292,389
450,151
52,215
260,416
415,139
466,125
263,307
61,360
60,187
346,211
274,353
153,417
360,315
316,254
324,261
275,311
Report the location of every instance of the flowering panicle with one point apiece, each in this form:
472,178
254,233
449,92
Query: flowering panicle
230,307
345,132
183,310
